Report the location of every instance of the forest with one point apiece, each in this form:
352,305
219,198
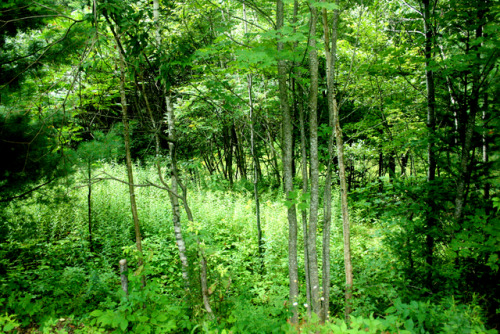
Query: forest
249,166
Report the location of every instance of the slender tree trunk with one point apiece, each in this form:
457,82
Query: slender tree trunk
305,188
380,171
331,54
343,195
313,138
274,156
203,259
485,158
254,156
431,135
130,173
228,153
298,96
89,203
174,200
345,216
468,145
240,158
126,136
287,168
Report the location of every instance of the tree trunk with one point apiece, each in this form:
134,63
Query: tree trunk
467,144
331,54
254,156
380,171
174,200
89,204
298,104
228,152
345,216
240,157
287,168
123,275
431,135
128,158
305,188
313,138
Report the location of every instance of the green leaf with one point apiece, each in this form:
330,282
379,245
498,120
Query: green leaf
123,324
302,206
390,310
96,313
8,327
326,5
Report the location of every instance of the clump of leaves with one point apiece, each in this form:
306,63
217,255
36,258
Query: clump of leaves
143,310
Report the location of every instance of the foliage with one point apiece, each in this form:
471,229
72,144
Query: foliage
411,83
143,310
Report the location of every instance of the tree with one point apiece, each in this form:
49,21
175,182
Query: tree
287,167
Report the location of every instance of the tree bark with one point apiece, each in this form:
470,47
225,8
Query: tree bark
467,144
128,157
89,203
174,200
305,188
287,168
123,275
431,135
254,157
331,53
314,171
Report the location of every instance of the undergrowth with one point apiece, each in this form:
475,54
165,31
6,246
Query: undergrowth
51,281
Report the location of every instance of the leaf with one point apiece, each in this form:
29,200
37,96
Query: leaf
96,313
8,327
326,5
123,324
212,288
390,310
302,206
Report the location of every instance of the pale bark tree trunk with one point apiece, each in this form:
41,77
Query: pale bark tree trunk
174,200
183,197
173,193
287,168
345,216
333,108
485,158
331,53
123,275
313,138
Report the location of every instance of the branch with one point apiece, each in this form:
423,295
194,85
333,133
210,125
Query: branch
411,7
44,52
8,199
111,177
408,31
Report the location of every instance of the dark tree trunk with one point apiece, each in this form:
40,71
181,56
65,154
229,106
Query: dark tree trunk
431,135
